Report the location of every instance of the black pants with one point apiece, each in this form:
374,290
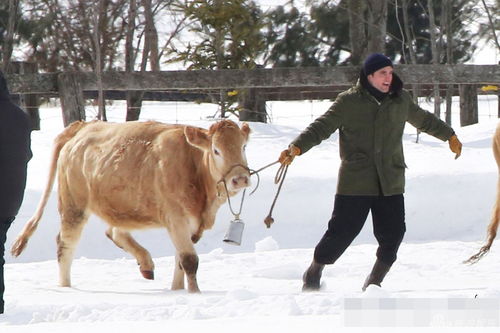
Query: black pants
4,227
349,216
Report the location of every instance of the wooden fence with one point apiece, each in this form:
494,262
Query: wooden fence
268,84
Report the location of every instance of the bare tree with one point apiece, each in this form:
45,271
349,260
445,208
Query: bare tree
377,21
367,28
357,31
150,52
9,38
447,11
134,98
408,36
151,39
495,38
492,25
436,51
68,39
99,14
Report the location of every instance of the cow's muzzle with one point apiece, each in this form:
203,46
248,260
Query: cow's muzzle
237,178
240,182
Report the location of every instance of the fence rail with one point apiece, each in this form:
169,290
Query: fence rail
47,83
265,84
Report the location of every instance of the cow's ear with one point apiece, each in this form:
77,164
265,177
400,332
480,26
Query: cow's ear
245,129
197,137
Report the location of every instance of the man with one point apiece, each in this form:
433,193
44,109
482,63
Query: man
370,117
15,152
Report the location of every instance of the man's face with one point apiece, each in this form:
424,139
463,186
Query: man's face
381,79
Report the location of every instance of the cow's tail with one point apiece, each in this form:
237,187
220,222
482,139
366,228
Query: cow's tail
495,216
30,227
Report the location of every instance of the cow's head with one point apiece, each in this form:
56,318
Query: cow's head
224,146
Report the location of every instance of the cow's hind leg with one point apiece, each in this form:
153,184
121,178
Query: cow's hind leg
124,240
72,223
186,259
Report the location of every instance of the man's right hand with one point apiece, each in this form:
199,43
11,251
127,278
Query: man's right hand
287,155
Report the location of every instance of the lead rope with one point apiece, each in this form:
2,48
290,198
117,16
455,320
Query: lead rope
279,178
236,215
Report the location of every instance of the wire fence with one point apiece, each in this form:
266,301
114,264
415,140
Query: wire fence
278,112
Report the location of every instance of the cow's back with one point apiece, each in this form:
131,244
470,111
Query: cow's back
126,173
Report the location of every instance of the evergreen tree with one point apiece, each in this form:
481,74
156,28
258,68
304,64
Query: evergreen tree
289,40
330,26
464,40
321,36
26,29
227,35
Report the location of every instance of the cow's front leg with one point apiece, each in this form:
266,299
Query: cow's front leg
178,281
189,263
186,258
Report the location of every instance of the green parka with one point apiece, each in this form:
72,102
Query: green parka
370,134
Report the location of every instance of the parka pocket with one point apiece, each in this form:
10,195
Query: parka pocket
356,161
399,161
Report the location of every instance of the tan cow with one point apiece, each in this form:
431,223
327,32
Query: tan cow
139,175
495,216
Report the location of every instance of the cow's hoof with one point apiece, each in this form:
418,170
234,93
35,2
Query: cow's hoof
149,275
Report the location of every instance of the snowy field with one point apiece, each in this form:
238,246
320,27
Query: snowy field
257,286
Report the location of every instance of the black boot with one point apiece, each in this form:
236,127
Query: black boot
378,273
312,276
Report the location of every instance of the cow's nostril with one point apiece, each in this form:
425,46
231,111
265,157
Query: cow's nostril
240,181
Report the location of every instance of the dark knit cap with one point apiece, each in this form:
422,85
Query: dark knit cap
374,62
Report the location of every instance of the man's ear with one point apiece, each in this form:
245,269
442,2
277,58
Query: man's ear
245,129
197,137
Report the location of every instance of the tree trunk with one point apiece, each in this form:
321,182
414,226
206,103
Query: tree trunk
150,51
495,38
71,95
99,13
435,55
219,49
357,34
28,102
134,98
446,9
252,106
151,36
377,25
410,40
9,37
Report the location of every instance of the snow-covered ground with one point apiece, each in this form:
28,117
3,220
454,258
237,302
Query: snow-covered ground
257,286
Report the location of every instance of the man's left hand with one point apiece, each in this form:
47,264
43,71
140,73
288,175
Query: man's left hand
455,145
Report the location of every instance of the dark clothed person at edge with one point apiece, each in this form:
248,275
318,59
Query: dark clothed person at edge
15,152
370,118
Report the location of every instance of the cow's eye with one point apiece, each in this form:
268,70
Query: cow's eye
216,152
244,147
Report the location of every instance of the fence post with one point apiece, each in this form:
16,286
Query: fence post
71,95
468,104
252,106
